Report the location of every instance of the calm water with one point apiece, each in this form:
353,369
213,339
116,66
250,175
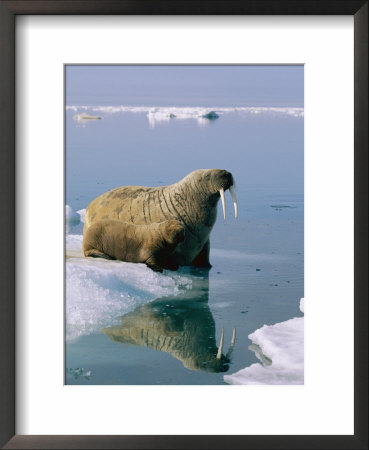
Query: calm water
160,335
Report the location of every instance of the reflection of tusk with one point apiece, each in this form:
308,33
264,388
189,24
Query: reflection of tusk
221,192
233,336
234,198
220,349
230,350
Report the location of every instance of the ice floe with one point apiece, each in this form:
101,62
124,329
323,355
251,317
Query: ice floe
82,213
280,348
71,218
71,215
74,216
98,291
85,117
203,115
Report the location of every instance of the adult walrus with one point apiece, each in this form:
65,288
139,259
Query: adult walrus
152,244
192,201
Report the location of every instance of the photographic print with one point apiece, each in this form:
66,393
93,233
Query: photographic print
184,224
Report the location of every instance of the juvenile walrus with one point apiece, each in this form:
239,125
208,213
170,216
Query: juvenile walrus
152,244
192,201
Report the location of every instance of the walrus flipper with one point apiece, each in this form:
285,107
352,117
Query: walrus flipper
153,266
169,262
93,253
202,259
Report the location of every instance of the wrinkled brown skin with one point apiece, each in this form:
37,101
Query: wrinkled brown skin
152,244
192,201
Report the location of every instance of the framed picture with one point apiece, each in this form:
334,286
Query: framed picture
149,345
177,305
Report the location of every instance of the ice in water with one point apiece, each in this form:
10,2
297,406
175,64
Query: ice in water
98,290
280,348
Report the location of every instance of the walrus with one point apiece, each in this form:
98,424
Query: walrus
192,201
151,244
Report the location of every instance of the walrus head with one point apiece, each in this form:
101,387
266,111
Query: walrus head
214,182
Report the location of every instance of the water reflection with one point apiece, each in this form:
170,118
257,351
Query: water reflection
182,326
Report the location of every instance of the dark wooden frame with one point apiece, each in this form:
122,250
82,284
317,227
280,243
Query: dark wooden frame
8,11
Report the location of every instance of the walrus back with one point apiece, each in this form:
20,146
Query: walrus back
127,204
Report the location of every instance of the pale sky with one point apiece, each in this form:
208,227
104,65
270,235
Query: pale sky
185,85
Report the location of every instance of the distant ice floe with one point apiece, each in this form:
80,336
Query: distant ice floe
280,348
83,119
203,115
98,291
82,213
70,215
79,372
83,116
73,217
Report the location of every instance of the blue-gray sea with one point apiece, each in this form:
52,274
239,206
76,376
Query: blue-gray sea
128,325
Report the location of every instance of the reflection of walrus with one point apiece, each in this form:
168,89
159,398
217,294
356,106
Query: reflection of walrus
152,244
182,326
193,201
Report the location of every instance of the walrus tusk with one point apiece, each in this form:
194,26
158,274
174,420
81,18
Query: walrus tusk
234,198
221,192
220,349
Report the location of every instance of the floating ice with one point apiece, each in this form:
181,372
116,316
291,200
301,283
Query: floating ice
98,291
70,215
71,218
302,307
75,108
85,117
211,115
203,115
82,213
159,114
78,372
280,348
